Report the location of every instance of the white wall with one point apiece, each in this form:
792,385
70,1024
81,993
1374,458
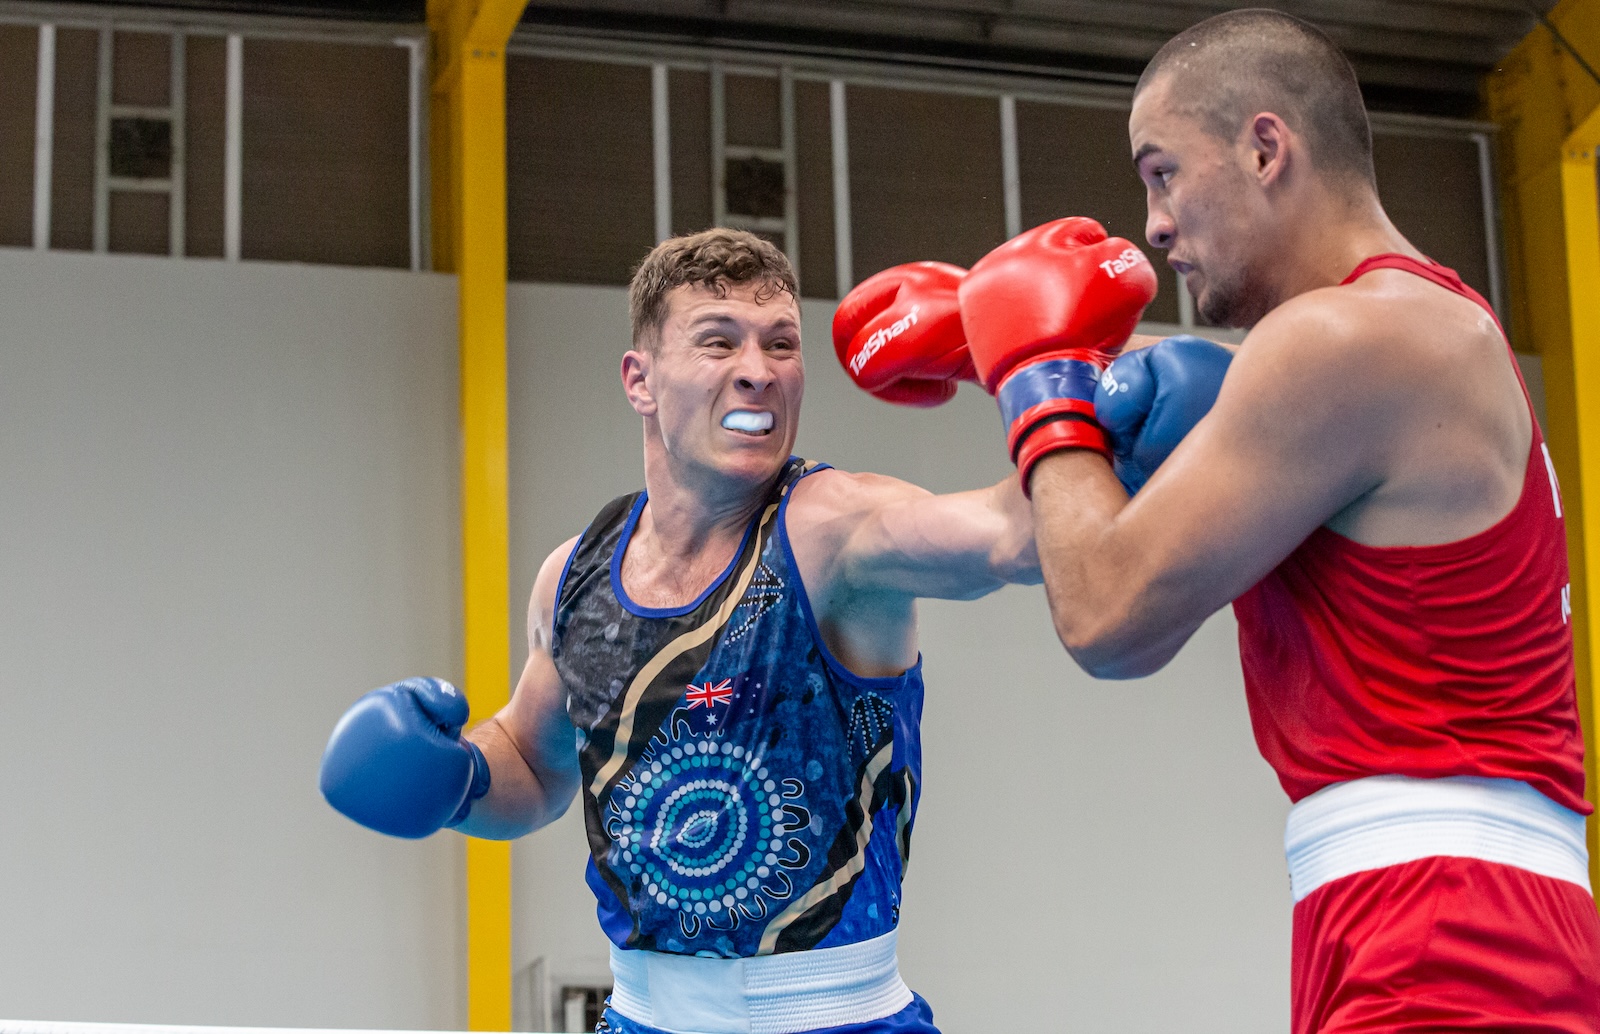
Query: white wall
227,507
228,502
1090,855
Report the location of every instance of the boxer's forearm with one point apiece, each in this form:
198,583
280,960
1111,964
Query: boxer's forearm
532,753
1014,554
1101,592
964,545
525,793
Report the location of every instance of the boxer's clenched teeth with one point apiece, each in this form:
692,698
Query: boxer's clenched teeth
747,421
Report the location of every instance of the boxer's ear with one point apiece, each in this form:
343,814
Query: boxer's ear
1271,143
635,382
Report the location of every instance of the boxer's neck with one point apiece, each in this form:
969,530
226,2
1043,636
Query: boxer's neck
688,532
1325,236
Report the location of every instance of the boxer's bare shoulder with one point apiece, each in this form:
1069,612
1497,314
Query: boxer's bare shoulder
1415,387
542,601
867,546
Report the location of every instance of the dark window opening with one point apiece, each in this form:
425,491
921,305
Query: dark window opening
141,148
755,187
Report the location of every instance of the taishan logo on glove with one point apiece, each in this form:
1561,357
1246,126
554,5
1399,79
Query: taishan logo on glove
882,337
1123,262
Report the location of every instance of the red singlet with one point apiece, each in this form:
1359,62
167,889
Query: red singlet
1424,661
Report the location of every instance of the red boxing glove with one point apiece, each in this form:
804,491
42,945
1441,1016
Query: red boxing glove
1044,314
898,334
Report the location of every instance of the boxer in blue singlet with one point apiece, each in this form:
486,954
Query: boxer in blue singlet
745,793
724,668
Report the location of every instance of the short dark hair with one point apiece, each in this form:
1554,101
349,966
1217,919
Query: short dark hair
715,259
1228,68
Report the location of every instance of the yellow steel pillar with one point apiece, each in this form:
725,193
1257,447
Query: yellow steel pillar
1545,104
469,167
1580,201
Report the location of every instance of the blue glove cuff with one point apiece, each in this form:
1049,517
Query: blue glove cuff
1039,383
479,786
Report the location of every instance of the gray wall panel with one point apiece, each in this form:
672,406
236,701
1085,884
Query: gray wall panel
229,509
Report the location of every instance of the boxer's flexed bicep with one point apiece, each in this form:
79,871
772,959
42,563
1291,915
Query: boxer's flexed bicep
530,743
1299,431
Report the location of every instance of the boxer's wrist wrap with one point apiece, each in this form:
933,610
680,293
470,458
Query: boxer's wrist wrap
1048,405
479,787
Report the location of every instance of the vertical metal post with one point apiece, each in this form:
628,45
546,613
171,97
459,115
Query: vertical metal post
44,136
470,38
233,160
1580,203
486,578
661,141
791,168
844,274
1491,221
1010,175
415,100
719,142
177,102
102,144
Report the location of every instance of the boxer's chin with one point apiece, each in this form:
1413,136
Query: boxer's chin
1228,303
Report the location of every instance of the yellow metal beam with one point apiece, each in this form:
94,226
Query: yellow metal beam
469,164
1580,200
1543,101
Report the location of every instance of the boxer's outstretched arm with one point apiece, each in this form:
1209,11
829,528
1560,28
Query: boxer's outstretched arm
530,744
892,537
1298,432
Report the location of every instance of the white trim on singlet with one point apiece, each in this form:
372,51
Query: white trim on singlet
1386,820
767,994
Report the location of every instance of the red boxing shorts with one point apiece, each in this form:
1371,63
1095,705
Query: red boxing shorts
1457,904
1446,944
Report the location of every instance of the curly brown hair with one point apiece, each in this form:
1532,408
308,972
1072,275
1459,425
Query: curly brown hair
713,259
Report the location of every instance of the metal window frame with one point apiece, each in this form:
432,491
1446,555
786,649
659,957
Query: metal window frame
1008,86
661,149
839,71
839,136
233,152
1010,165
179,26
784,154
173,113
44,135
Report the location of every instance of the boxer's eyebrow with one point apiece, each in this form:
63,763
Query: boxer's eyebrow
1144,151
713,319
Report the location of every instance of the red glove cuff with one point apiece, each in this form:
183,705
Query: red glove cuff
1068,431
1049,411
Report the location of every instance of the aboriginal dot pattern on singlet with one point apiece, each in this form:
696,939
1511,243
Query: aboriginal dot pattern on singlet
743,793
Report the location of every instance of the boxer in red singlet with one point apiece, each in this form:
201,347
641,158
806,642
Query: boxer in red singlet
1372,493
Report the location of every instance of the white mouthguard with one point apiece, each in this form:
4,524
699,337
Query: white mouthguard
745,420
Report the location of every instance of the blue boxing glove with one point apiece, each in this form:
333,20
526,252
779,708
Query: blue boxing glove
396,761
1149,399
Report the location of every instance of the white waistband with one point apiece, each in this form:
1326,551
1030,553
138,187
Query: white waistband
768,994
1385,820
